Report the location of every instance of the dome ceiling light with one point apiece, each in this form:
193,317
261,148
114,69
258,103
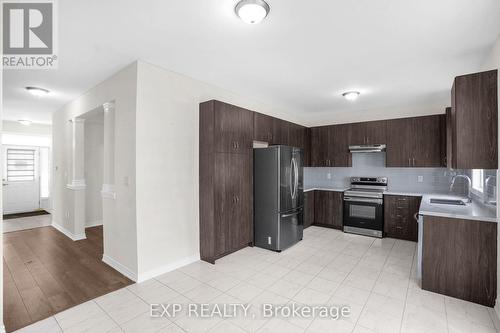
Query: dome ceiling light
36,91
351,95
24,122
252,11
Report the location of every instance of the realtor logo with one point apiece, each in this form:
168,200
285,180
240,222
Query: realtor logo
28,35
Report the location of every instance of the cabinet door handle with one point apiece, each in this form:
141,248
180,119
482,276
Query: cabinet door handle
414,161
409,161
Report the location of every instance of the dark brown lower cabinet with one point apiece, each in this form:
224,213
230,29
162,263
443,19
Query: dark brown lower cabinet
328,209
230,228
400,220
459,258
308,208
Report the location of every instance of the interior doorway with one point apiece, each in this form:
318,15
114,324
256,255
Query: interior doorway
26,159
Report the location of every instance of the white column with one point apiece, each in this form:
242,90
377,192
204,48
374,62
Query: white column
77,178
108,186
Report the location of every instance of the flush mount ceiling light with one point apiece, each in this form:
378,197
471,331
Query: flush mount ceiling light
252,11
351,95
36,91
24,122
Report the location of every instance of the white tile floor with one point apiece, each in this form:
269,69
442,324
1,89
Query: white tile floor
29,222
375,277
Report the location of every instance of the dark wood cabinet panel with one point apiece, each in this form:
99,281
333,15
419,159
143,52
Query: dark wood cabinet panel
370,132
241,224
328,209
233,202
233,128
414,142
400,217
474,119
376,132
308,208
357,134
263,127
459,259
448,139
426,142
319,146
307,147
281,130
338,146
398,142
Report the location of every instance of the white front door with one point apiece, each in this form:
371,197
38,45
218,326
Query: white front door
21,181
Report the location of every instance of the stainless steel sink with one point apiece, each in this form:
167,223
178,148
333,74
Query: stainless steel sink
447,202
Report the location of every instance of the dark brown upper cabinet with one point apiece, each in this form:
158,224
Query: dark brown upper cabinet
320,147
233,128
263,127
281,130
330,146
338,146
414,142
474,121
371,132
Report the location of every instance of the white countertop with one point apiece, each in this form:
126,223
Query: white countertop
333,189
471,211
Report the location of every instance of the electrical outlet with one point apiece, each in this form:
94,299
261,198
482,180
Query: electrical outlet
269,240
328,176
420,179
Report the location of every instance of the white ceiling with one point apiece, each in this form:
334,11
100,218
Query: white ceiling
398,53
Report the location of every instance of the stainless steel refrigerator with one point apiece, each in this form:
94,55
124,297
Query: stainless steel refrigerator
278,197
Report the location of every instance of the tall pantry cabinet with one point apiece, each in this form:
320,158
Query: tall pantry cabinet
226,187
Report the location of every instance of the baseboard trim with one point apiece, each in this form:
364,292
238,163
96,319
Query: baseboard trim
66,232
496,310
119,267
91,224
167,268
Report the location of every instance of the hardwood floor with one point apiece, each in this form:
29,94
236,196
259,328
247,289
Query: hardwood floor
45,272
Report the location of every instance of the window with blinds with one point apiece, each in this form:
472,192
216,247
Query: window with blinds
20,165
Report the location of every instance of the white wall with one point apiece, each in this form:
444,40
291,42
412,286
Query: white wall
94,161
167,164
120,236
9,126
492,61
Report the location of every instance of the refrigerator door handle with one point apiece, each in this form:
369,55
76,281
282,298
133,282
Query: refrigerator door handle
291,179
296,169
291,214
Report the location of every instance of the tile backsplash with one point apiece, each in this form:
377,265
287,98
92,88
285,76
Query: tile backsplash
425,180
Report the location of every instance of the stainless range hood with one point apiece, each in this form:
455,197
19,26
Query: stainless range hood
367,148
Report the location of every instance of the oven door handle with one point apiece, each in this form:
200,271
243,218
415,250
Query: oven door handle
367,200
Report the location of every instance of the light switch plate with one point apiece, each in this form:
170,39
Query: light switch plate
420,179
328,176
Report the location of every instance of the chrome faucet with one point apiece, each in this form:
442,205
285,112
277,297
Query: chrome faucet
469,188
489,191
